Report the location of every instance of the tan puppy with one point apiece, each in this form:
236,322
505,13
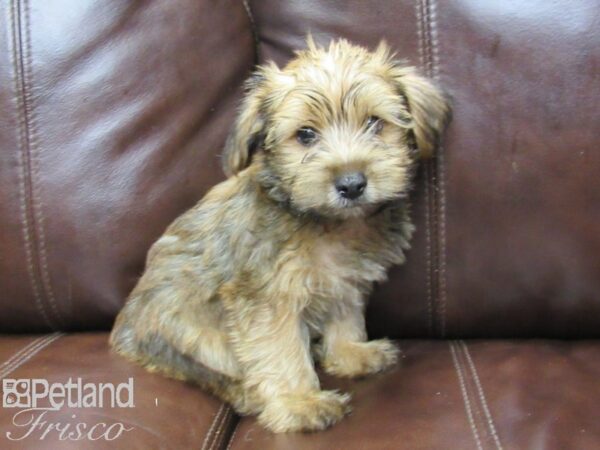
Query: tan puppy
273,266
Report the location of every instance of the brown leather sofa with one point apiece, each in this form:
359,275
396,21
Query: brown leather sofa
112,117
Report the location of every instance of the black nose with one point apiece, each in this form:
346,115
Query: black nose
351,185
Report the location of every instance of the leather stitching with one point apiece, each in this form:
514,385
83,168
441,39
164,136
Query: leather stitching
429,62
431,164
442,241
222,426
478,414
481,394
465,394
435,212
23,159
30,353
232,438
215,436
419,7
441,179
255,35
20,352
208,437
35,165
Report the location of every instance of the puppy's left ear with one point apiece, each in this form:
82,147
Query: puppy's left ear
245,136
428,106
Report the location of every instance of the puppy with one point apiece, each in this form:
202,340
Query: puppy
271,270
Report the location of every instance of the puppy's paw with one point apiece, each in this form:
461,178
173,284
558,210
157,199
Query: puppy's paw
357,359
305,412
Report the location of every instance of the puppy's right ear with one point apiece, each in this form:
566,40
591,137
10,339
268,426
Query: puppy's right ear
428,105
247,133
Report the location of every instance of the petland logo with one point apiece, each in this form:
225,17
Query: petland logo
35,419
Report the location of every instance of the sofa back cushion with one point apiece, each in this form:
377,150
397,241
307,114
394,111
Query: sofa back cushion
112,114
508,214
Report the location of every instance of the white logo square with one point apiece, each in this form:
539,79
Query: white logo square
16,393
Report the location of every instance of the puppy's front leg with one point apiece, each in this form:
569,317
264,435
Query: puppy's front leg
345,351
273,347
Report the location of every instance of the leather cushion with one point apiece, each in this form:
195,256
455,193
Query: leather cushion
507,215
466,394
167,414
112,115
482,394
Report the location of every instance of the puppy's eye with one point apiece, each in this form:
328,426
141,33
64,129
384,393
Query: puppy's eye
375,124
307,136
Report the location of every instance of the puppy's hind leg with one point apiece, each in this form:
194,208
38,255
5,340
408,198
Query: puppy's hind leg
181,346
157,355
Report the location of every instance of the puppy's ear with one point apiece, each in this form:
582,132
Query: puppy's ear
245,137
428,106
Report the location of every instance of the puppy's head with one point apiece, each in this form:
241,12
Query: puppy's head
338,130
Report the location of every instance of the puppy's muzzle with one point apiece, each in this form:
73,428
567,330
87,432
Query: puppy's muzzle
351,185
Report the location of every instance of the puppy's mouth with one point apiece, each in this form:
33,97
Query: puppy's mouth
364,205
345,203
353,207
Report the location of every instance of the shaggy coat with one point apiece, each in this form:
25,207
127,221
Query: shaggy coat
271,269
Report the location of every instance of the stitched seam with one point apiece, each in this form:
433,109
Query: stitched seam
215,436
254,29
34,157
427,38
478,414
430,168
232,438
434,176
442,241
23,160
431,165
210,434
441,182
221,428
432,188
465,395
44,342
481,395
212,426
435,55
20,352
30,354
428,250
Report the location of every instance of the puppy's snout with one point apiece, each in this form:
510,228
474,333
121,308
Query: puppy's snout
351,185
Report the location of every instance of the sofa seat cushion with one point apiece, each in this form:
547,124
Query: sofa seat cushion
463,395
444,394
167,414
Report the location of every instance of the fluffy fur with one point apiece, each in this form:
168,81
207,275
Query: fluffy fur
270,271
